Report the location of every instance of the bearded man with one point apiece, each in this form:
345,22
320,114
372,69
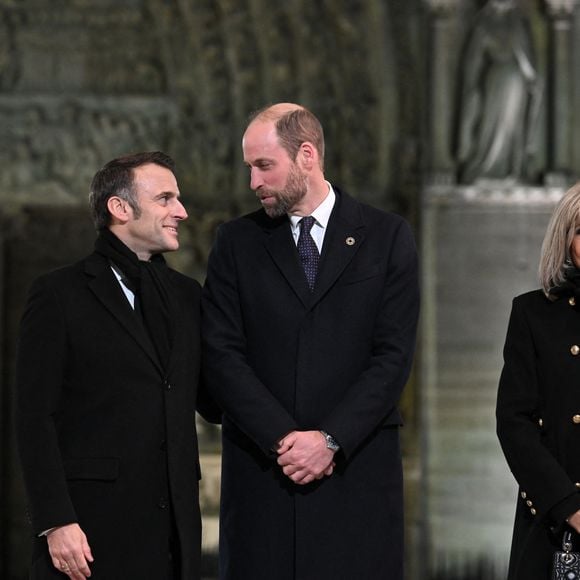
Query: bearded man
309,318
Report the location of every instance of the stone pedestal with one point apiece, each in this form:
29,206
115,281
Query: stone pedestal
480,248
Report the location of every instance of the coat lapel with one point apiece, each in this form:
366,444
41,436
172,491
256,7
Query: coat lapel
281,247
344,236
110,294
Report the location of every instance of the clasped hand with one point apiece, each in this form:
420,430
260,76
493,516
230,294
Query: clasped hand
304,457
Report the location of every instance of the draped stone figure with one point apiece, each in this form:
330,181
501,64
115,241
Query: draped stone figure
499,95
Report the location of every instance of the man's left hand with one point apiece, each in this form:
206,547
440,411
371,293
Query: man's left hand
304,457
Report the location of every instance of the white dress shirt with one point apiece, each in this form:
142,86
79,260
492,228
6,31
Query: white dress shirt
321,216
128,293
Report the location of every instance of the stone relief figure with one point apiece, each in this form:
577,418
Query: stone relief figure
499,95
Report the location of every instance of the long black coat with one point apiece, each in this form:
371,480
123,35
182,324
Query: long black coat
107,439
538,424
281,358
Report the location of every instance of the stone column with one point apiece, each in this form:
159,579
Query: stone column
561,13
439,109
479,248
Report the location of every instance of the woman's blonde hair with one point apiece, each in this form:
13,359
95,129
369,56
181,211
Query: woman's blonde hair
555,257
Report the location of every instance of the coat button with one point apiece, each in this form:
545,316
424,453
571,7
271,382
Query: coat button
541,422
524,495
575,349
572,301
576,419
577,484
529,503
533,511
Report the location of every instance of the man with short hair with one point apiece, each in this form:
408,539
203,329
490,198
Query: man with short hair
107,375
310,310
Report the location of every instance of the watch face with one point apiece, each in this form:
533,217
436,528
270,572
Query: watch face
330,441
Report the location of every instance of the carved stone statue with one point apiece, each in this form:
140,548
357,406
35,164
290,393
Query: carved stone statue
499,95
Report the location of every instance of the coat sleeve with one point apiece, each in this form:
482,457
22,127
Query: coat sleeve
545,482
227,373
40,375
372,399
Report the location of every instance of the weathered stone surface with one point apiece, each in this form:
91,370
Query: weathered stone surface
480,249
83,81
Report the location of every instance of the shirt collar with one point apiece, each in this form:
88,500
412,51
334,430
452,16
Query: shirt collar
321,214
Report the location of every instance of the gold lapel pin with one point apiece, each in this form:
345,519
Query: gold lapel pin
350,241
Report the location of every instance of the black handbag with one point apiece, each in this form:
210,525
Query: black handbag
566,562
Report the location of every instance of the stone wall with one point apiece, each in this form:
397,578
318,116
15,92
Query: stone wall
82,82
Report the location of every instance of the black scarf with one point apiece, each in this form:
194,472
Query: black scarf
150,283
570,286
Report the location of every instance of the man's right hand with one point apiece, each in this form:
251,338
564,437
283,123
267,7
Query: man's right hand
304,456
70,551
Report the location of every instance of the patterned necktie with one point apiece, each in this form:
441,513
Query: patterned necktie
308,251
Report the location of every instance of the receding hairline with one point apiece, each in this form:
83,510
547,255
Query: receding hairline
274,112
292,125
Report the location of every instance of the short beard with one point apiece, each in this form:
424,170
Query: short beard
286,199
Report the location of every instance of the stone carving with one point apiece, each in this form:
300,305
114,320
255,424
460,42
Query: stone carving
215,61
78,46
258,55
52,146
500,95
561,8
9,66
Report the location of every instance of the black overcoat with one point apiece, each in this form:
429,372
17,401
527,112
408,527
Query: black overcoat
278,358
538,424
106,437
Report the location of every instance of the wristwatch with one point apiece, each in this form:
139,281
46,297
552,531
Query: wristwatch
331,442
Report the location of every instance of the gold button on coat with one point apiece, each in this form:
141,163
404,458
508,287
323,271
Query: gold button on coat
529,503
575,349
533,512
524,495
576,419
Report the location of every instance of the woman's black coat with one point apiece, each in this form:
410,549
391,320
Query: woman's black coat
538,424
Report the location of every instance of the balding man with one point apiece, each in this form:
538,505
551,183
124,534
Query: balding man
310,310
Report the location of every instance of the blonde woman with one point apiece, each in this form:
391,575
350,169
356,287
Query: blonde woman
538,406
